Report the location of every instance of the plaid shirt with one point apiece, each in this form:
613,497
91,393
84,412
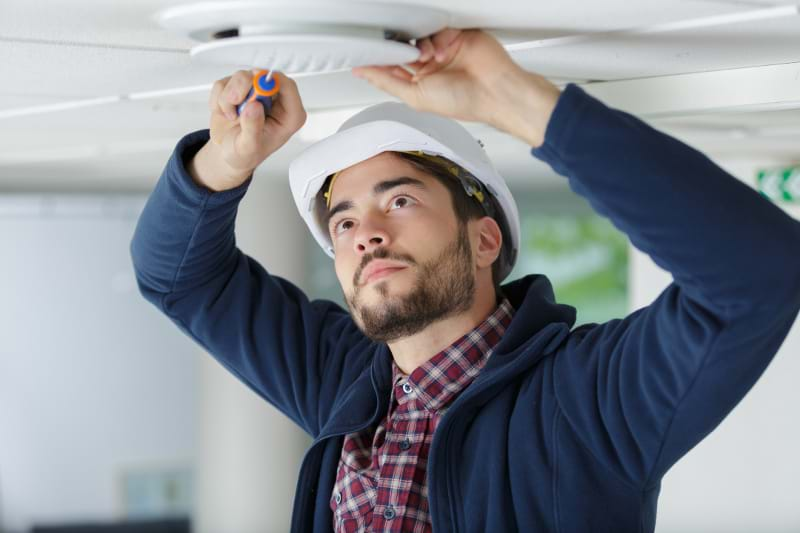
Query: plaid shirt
381,482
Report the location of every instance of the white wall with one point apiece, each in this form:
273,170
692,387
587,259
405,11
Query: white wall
744,476
84,394
249,453
92,379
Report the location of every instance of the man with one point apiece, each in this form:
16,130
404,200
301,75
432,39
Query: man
442,401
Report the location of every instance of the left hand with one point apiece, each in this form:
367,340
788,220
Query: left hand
468,75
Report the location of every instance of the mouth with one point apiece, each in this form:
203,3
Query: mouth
382,273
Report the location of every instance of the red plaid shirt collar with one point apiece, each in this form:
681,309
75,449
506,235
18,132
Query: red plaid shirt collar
382,470
446,374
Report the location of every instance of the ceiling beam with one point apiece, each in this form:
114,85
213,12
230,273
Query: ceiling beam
762,88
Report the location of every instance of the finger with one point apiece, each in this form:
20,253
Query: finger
426,49
219,124
385,80
216,90
368,72
446,57
443,60
401,73
252,123
428,69
443,40
447,44
416,65
235,92
287,110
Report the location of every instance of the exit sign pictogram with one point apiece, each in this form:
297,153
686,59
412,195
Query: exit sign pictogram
780,184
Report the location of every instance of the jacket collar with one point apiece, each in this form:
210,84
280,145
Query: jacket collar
535,308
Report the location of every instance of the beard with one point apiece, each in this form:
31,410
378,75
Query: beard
444,287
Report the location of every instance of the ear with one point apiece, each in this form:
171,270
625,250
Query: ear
489,242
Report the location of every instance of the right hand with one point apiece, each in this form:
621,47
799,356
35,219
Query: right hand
239,144
468,75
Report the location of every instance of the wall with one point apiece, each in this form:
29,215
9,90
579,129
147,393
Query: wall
92,379
249,453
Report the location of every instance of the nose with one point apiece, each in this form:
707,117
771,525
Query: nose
370,235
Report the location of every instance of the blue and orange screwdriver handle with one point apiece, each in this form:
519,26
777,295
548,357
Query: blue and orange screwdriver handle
265,88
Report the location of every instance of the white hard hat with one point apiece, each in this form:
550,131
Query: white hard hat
396,127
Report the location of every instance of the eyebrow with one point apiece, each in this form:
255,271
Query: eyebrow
379,188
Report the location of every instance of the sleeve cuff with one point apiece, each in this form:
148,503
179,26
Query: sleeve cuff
186,148
565,117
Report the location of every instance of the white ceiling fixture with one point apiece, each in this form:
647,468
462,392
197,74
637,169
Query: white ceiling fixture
311,36
303,36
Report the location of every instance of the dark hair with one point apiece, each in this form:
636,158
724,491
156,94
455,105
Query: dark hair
465,207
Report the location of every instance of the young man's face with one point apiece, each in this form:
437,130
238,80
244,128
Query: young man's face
402,258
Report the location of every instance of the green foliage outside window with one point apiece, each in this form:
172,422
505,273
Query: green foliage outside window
585,258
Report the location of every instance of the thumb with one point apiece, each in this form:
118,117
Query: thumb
252,123
390,79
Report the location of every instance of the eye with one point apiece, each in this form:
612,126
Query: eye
339,227
405,200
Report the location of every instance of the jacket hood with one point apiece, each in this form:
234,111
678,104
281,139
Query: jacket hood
534,308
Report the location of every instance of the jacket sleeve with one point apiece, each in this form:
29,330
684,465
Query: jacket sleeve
642,391
262,328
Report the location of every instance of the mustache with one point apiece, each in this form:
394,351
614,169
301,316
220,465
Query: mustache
380,253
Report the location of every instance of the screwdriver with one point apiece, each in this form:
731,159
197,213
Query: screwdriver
264,89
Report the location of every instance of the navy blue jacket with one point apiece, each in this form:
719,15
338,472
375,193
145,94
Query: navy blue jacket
565,429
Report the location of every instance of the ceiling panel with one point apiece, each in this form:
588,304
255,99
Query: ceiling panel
54,51
98,22
612,57
568,17
105,48
131,23
71,72
770,135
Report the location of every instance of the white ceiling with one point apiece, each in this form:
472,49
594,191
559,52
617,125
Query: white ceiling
53,52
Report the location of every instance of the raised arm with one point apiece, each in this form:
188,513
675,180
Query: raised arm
665,376
262,328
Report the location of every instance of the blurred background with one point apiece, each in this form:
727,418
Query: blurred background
111,418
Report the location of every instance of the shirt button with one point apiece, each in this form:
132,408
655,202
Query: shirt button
407,388
388,513
405,444
338,498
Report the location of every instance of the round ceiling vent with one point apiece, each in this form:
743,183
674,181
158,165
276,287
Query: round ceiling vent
303,36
